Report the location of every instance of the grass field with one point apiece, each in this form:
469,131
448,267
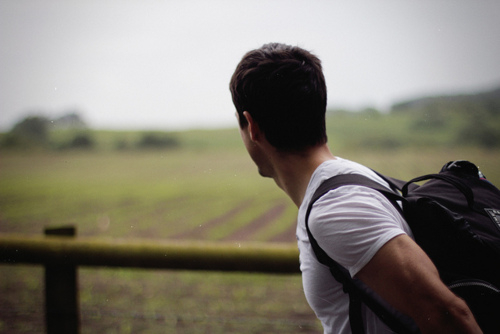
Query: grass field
206,190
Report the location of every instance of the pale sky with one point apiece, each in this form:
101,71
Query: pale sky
152,64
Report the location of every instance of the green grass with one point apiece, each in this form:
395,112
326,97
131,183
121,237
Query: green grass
167,191
164,193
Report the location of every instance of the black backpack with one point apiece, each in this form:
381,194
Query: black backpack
455,218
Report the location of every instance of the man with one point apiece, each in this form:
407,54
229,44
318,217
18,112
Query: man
280,96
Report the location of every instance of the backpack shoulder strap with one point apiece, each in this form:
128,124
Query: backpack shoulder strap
357,290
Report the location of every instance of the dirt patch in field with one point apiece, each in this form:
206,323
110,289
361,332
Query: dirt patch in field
253,227
200,232
246,232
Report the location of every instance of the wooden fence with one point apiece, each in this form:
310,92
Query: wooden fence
61,252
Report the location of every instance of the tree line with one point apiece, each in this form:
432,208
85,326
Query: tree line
476,117
453,120
70,131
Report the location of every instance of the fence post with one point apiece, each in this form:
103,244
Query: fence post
61,291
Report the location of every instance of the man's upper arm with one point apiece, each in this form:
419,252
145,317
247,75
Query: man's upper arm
403,275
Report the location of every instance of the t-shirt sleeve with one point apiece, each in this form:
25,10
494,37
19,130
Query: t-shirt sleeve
352,223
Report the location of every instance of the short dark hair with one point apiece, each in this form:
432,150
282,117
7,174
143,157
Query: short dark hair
284,90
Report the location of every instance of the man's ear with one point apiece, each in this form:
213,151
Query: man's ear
253,127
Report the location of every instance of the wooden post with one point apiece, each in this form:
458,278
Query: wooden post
61,291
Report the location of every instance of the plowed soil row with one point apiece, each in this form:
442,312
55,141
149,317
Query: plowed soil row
248,231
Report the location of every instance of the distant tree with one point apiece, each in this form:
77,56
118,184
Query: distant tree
71,120
31,131
9,140
157,141
35,127
82,140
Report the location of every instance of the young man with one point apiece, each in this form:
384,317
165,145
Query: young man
280,96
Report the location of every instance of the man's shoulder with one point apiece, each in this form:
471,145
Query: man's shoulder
336,167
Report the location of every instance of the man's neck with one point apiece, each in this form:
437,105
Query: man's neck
294,171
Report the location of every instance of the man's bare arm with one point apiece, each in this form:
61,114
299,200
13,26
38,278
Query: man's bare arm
403,275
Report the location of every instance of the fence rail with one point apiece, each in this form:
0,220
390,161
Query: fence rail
61,253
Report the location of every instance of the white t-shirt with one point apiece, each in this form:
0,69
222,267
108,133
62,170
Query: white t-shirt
350,224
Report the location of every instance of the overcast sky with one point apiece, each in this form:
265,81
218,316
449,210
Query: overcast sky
154,64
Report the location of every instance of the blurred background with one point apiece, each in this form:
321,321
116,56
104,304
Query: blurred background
116,118
166,64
